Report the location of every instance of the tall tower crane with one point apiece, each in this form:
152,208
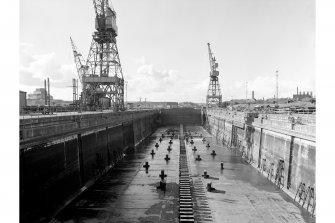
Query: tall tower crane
214,97
101,76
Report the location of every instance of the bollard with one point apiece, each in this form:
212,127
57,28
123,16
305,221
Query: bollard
198,158
156,145
213,153
222,165
191,141
146,166
162,183
209,187
205,174
194,149
203,139
163,136
160,139
208,145
152,152
169,148
170,142
167,158
162,175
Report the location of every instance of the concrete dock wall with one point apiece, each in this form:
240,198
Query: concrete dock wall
263,143
185,116
55,169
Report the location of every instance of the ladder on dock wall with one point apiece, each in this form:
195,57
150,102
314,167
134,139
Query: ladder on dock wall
279,179
306,195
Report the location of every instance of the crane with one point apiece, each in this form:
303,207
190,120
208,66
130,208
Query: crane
101,76
105,72
214,97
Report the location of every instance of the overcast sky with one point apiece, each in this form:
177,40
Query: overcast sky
163,46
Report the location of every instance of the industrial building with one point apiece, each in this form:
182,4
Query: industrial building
38,97
304,96
23,99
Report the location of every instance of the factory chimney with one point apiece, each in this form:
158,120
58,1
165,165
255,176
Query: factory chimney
49,94
45,93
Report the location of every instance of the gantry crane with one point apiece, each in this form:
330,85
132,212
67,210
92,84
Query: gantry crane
214,97
101,76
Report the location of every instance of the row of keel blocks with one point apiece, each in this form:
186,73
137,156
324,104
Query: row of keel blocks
185,198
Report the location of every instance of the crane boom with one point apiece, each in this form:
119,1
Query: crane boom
212,63
210,57
79,61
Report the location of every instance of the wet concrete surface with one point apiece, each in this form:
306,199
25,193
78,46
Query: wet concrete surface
242,193
128,193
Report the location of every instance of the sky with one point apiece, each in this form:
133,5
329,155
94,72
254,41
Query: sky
163,46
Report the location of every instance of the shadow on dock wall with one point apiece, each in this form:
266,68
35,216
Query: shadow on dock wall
53,173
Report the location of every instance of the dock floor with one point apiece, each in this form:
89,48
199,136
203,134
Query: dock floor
129,194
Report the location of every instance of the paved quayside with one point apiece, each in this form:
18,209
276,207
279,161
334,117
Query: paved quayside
242,194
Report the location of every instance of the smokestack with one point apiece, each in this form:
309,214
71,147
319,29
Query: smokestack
253,95
45,93
74,90
48,92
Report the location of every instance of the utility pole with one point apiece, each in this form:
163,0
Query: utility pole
277,85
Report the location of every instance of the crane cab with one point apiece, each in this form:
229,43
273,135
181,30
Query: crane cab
107,22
